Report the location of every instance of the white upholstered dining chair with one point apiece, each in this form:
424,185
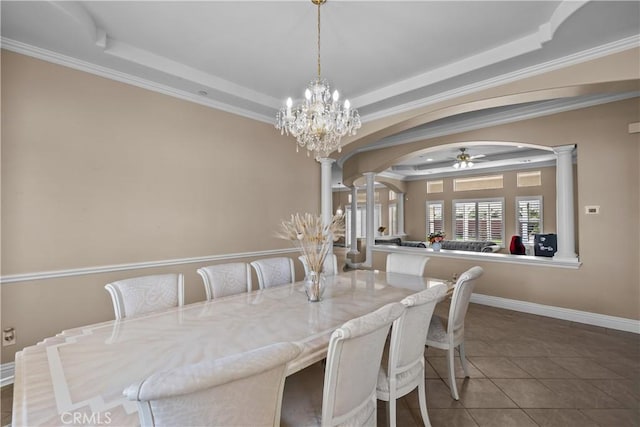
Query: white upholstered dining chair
403,365
330,265
274,271
350,377
226,279
448,334
406,264
238,390
139,295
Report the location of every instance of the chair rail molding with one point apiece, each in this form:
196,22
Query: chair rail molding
7,373
41,275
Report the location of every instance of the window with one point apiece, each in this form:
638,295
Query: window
480,219
529,179
435,216
393,219
361,221
488,182
362,197
435,187
528,217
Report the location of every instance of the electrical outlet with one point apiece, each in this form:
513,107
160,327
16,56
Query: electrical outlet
8,336
592,210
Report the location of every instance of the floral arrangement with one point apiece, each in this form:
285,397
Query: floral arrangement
309,234
381,229
436,237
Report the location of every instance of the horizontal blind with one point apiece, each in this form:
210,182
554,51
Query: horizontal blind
479,220
529,213
490,221
465,223
435,217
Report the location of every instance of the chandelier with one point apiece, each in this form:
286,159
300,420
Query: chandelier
321,120
463,160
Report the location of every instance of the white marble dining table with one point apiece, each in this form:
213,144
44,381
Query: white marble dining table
77,377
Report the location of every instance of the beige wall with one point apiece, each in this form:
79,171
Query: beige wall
607,174
613,73
96,173
416,198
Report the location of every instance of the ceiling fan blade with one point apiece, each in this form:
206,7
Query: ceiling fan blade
478,156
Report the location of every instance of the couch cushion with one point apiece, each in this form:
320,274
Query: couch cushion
473,246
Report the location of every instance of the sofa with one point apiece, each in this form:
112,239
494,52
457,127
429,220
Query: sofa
399,242
472,246
452,245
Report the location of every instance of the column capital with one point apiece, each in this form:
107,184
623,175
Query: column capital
564,149
327,160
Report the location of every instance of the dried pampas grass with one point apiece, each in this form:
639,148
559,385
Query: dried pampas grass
309,234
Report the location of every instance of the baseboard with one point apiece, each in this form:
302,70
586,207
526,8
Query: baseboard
602,320
7,371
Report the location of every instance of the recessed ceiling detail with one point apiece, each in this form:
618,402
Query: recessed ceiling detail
391,55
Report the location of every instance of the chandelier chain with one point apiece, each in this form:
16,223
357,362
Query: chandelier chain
319,3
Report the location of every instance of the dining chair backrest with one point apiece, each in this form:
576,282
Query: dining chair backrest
139,295
330,265
403,368
274,271
353,362
406,264
242,390
460,301
406,345
226,279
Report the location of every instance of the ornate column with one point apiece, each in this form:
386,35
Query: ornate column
326,201
354,212
565,227
370,176
400,211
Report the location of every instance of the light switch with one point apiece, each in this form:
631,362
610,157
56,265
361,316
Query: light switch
592,210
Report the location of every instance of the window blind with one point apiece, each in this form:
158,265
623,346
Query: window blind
529,217
479,220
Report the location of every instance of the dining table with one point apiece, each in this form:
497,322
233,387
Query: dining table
77,377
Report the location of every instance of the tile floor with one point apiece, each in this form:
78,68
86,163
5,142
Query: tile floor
525,370
528,370
6,400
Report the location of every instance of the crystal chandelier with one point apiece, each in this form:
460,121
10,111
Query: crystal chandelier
463,160
320,121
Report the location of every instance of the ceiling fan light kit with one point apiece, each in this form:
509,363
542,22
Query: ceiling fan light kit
463,160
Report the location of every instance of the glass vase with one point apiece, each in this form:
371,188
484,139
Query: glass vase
436,246
314,284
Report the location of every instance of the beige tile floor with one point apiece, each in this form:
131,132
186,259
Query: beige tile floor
525,370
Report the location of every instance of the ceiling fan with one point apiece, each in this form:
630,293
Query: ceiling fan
465,160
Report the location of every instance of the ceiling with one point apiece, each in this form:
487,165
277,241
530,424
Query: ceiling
387,57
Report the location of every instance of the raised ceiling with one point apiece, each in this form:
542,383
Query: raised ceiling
246,57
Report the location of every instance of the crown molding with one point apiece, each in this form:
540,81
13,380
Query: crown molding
150,60
77,64
519,113
527,44
516,114
123,51
545,67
